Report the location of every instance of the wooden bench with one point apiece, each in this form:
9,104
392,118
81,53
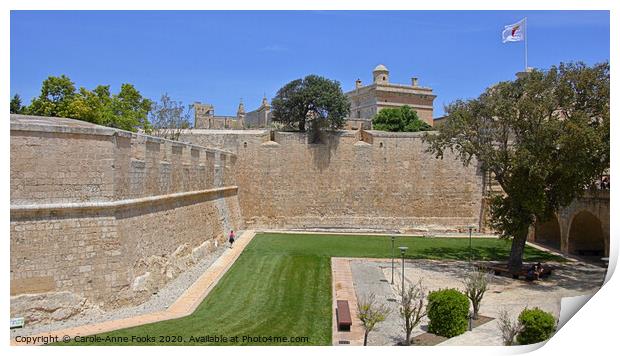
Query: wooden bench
343,315
589,252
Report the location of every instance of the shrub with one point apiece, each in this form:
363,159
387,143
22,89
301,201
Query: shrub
536,326
447,310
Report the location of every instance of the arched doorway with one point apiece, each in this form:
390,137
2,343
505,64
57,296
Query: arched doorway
586,235
548,233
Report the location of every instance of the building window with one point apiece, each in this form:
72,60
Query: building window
384,77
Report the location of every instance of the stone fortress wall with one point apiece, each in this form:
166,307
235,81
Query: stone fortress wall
102,218
364,179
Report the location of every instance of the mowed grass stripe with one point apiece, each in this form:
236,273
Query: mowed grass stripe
281,286
374,246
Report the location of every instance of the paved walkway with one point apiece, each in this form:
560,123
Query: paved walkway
184,306
369,279
343,289
569,279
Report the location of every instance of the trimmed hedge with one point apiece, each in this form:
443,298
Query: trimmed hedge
448,311
537,325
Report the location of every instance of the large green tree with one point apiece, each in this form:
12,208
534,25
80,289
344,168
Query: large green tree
56,95
544,136
402,119
314,101
126,110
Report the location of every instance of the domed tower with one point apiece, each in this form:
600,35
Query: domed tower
381,74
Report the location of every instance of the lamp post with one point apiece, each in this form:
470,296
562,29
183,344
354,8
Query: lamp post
393,238
470,227
403,249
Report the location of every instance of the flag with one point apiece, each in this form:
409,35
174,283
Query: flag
514,32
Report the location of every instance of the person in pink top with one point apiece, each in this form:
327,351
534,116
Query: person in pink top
231,238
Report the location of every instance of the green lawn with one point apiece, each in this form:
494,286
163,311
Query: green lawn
281,287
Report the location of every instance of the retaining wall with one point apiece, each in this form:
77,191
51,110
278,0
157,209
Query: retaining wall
363,179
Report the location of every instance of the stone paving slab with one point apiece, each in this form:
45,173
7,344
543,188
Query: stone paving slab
185,305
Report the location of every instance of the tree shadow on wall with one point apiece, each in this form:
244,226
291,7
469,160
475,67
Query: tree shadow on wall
322,146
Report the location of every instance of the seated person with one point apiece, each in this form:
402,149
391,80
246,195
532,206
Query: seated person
533,273
539,269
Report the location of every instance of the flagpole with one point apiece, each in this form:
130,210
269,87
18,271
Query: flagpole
526,36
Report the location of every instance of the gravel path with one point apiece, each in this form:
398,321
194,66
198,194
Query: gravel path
164,298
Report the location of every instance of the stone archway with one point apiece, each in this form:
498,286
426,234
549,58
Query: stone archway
586,236
548,233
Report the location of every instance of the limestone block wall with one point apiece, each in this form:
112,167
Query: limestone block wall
103,218
374,180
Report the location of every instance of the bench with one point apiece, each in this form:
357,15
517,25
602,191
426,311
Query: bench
589,252
343,315
499,269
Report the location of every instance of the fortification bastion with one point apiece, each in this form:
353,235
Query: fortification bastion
102,218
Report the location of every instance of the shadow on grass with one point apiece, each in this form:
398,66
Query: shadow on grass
490,253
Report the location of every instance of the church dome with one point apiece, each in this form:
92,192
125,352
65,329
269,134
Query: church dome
380,68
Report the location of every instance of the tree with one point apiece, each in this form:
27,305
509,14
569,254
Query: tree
314,101
508,327
126,110
169,118
402,119
16,104
130,110
544,136
92,106
476,283
412,308
55,97
370,314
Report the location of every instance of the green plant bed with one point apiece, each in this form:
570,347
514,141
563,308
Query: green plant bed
281,287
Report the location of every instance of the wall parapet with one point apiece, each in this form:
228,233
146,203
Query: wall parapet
112,206
60,161
72,126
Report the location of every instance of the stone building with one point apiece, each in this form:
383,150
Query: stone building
205,118
259,118
366,101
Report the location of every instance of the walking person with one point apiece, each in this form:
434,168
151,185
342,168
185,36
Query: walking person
231,238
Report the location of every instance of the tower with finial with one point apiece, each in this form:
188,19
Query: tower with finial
241,113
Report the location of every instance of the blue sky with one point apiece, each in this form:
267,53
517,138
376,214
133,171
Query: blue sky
221,56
